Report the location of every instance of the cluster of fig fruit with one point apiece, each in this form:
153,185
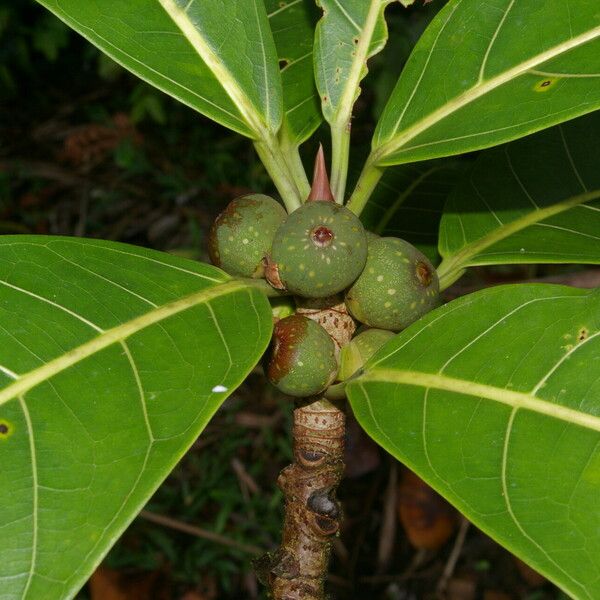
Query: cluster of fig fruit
339,274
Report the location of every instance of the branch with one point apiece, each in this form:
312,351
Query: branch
198,532
298,569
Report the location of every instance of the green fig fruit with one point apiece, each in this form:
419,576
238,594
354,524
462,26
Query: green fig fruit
242,234
397,286
360,349
319,250
282,307
302,359
371,237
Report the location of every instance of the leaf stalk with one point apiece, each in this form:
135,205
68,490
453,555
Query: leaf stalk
291,154
340,154
367,182
278,169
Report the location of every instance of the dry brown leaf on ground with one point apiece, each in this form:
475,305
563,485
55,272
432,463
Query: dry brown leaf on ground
108,584
427,518
529,575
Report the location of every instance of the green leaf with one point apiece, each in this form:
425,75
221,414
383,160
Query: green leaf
217,57
493,400
347,35
293,24
112,360
409,201
487,73
532,201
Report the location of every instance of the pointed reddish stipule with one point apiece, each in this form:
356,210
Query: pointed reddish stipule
321,190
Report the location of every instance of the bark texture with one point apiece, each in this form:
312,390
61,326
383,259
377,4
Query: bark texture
331,314
298,569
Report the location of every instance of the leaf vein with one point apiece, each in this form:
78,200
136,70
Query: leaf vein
398,140
563,358
111,336
140,387
493,40
347,15
54,304
518,179
511,398
509,508
35,492
570,158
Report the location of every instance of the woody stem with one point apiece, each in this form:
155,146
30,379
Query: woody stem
298,569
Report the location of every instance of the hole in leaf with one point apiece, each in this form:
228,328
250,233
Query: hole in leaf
6,429
545,84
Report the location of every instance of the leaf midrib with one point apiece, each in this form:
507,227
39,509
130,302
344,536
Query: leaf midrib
517,400
453,263
117,55
119,333
341,115
397,141
221,72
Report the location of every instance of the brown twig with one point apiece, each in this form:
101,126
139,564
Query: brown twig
453,558
199,532
387,532
411,572
298,569
245,479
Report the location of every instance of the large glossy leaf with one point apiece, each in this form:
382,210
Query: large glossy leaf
347,35
489,72
494,400
536,200
293,26
112,360
217,57
409,201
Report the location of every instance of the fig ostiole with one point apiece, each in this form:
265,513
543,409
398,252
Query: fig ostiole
242,234
397,286
318,251
302,359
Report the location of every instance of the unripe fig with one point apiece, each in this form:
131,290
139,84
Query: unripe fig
320,249
302,360
397,286
360,349
243,233
282,307
371,237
